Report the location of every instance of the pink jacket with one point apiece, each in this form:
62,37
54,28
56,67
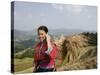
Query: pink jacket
43,59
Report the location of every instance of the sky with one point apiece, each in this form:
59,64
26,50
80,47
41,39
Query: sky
30,15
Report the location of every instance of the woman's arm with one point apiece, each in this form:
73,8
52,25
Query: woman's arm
52,48
49,44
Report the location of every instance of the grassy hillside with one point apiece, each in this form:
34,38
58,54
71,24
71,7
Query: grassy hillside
23,60
22,64
21,45
75,52
28,52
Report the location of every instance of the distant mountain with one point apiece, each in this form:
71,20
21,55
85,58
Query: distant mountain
23,35
23,40
26,39
68,31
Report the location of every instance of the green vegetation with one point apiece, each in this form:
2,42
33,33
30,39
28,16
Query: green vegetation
29,52
20,46
92,38
22,64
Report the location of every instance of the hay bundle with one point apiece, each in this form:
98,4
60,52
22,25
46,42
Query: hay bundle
76,53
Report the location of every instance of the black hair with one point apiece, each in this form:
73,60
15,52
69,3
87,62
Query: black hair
44,28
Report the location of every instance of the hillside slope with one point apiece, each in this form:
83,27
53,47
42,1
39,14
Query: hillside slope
75,52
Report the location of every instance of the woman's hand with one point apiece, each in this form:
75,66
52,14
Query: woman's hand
35,67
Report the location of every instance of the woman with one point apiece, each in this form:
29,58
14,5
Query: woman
45,52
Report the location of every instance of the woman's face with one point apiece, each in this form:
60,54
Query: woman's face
42,35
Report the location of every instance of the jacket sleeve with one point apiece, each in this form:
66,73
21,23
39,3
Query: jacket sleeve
35,57
54,52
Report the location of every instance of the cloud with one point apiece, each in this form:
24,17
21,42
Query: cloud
58,7
76,9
